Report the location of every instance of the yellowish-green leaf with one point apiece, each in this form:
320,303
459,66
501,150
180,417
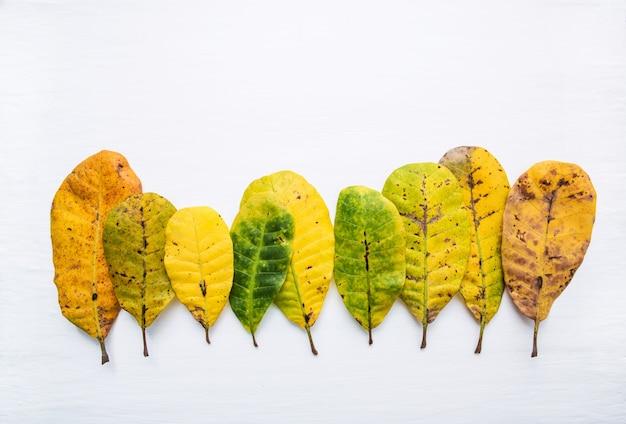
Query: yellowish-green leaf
199,262
369,254
548,220
134,242
304,291
485,188
262,235
79,209
430,202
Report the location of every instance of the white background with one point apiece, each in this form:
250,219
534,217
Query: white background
203,97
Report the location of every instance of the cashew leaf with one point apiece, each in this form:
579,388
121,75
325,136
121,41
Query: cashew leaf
199,262
369,254
79,209
134,246
310,272
262,235
548,220
430,202
485,188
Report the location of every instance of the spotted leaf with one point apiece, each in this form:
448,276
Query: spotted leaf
548,219
79,209
485,187
134,242
430,202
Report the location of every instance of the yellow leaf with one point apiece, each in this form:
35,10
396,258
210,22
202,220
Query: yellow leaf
199,262
79,209
430,202
304,291
548,219
485,187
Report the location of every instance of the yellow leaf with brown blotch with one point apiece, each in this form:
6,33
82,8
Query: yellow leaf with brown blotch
79,209
485,187
548,219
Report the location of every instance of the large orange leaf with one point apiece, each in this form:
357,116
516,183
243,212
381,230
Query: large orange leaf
548,218
79,209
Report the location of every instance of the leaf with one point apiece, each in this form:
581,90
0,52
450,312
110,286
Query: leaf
430,202
485,187
311,269
369,254
134,241
547,226
79,209
262,235
199,262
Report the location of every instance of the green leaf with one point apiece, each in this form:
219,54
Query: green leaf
369,254
430,202
199,262
311,269
485,188
134,241
262,236
548,220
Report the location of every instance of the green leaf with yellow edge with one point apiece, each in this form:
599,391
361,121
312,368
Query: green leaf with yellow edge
369,254
134,246
79,209
302,296
199,262
485,188
262,235
548,220
430,202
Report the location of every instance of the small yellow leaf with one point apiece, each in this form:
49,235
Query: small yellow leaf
79,209
199,262
548,219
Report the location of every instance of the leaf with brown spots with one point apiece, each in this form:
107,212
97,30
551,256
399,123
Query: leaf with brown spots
485,188
430,202
548,219
79,209
199,262
134,246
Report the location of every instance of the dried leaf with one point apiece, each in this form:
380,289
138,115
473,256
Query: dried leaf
199,262
430,202
262,236
485,188
369,254
310,273
548,219
79,209
134,242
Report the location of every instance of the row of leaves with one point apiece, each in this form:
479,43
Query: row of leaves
434,230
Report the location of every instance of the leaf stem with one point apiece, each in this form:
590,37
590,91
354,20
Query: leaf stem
534,353
105,355
369,331
206,334
424,328
479,346
308,333
254,341
145,345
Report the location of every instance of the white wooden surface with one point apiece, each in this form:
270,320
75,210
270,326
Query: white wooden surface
203,97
